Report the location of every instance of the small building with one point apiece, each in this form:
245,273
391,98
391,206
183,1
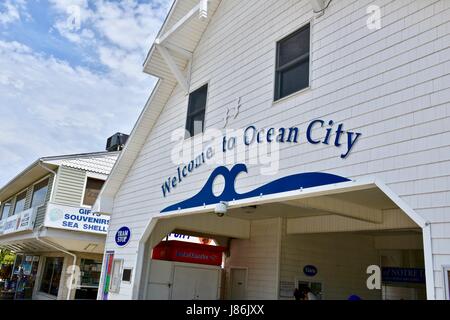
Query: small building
46,220
309,138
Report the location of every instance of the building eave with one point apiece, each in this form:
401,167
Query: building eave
36,171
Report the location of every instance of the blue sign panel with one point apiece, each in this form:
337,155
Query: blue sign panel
294,182
310,271
403,275
123,236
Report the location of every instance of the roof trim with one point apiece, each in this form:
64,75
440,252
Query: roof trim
166,21
78,155
139,133
48,160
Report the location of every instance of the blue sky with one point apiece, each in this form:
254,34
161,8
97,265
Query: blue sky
71,74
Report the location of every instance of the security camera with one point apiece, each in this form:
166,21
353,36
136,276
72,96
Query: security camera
221,208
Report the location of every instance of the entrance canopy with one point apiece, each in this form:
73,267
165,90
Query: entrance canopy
353,206
26,242
345,206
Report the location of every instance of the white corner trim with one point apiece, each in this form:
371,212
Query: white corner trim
418,219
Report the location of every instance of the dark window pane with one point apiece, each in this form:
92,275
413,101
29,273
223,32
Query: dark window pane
197,100
39,193
293,47
57,270
46,276
195,122
20,203
292,72
294,79
93,188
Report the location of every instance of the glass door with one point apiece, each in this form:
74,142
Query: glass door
51,275
90,271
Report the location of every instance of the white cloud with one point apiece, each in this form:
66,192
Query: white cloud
48,107
12,11
120,32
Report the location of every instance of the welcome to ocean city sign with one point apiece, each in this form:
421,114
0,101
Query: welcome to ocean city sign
317,132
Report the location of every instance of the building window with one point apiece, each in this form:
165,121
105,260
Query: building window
20,203
6,208
51,276
292,66
195,123
126,276
93,188
39,193
89,280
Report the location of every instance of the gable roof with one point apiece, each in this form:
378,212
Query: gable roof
182,29
98,162
181,33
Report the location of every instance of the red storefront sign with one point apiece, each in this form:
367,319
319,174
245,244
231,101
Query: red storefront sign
188,252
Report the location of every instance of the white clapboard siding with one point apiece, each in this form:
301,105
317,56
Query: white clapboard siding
259,255
40,215
70,186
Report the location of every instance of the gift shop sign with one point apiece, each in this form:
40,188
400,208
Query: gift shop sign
76,219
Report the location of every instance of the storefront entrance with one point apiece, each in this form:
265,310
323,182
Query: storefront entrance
21,284
90,271
51,276
185,271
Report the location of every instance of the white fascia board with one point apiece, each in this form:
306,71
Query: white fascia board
418,219
281,197
188,17
317,5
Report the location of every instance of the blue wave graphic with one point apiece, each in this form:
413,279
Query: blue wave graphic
289,183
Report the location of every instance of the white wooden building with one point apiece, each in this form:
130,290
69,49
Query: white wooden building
47,221
354,99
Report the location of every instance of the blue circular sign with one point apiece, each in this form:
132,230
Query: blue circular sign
123,236
310,271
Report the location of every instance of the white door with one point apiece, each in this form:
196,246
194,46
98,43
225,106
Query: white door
190,283
160,280
238,284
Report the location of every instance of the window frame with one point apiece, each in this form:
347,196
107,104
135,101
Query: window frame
82,204
276,87
188,115
34,185
46,259
25,191
91,175
11,202
97,262
131,275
